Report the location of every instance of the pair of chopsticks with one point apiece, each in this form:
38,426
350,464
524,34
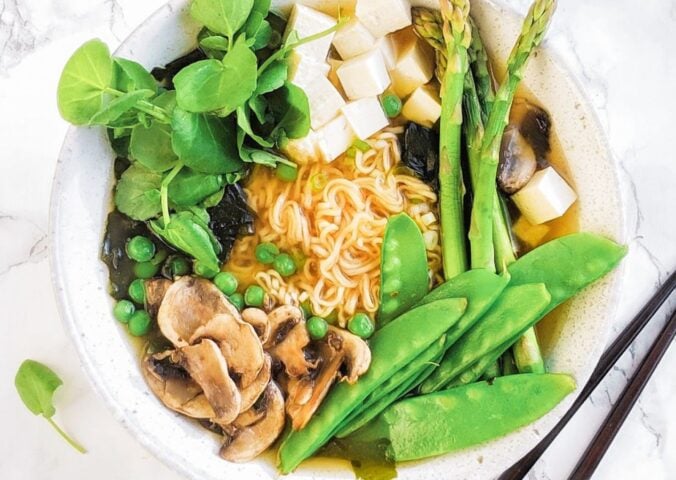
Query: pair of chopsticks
613,422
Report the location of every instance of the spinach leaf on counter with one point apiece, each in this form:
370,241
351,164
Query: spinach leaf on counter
36,384
205,143
137,194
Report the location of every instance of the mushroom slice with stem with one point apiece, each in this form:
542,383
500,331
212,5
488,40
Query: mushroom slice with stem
339,348
156,289
258,319
517,161
207,367
251,439
172,384
188,304
239,344
290,351
255,389
282,320
535,124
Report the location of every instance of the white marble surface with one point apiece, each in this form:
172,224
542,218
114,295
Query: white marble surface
622,55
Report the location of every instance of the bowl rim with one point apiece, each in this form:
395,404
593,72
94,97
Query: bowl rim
117,409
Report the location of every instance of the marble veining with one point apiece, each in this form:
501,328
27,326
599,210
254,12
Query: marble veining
620,54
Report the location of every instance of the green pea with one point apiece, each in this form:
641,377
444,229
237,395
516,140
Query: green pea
204,270
306,307
237,299
284,265
226,282
286,173
178,266
146,269
361,325
139,323
140,249
317,328
123,311
266,252
137,291
391,104
254,296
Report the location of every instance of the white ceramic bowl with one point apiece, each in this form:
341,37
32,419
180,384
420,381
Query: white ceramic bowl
81,199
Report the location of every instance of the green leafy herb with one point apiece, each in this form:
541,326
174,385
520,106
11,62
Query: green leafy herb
215,42
259,106
245,126
189,188
272,77
119,106
129,76
138,193
263,36
256,20
224,17
213,85
151,146
191,234
84,80
292,108
36,384
205,143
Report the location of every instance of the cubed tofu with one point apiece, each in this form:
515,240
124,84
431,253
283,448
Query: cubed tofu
330,7
325,101
388,50
364,76
384,16
353,39
335,64
545,197
423,105
303,69
530,235
366,117
335,138
306,21
415,63
303,150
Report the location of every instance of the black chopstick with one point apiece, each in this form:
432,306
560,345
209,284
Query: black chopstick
613,422
520,469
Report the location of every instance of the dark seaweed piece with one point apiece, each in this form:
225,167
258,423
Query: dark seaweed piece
165,75
231,218
421,153
119,229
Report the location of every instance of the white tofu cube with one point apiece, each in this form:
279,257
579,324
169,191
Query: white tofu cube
303,69
364,76
335,64
415,64
353,39
384,16
325,101
424,105
330,7
545,197
335,138
366,117
303,150
388,50
306,21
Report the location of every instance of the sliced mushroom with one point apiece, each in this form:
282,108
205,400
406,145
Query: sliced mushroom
535,125
207,367
255,389
517,161
290,351
258,319
188,304
282,320
156,289
172,384
244,444
339,348
239,344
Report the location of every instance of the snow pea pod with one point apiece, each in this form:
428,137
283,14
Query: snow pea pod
517,309
481,288
464,416
403,266
392,347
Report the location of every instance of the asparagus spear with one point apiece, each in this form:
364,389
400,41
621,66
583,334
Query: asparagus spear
457,37
480,67
481,226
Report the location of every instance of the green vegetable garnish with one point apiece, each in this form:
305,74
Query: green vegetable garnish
204,270
36,384
178,266
123,311
284,265
266,252
139,323
226,283
237,299
391,105
286,173
146,270
317,327
137,291
254,296
140,249
361,325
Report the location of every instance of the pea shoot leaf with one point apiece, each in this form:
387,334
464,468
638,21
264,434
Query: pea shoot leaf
190,188
137,194
291,108
119,106
151,146
225,17
129,76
